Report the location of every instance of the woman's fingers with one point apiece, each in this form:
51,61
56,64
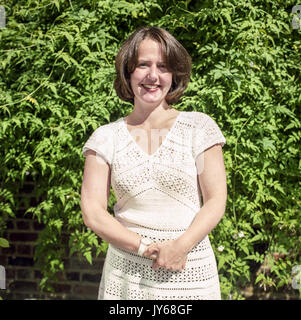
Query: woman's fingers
154,256
152,251
155,265
166,256
169,257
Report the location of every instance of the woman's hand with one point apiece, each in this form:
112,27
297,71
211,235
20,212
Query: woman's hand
152,251
170,255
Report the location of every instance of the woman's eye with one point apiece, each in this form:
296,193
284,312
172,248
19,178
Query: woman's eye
162,66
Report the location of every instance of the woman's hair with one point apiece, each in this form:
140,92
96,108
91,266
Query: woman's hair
177,61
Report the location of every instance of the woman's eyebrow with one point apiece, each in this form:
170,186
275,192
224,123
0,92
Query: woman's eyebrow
148,61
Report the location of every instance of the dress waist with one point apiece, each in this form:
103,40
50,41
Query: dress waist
171,219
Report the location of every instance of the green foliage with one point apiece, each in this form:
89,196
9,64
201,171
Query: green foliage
56,75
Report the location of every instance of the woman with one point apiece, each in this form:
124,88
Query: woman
158,237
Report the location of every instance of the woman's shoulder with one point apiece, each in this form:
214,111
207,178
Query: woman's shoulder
197,117
107,128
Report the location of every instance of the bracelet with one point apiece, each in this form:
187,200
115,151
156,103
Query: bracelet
144,243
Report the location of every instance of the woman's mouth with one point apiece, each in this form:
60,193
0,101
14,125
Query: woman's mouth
151,87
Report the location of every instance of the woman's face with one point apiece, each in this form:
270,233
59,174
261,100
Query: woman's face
151,80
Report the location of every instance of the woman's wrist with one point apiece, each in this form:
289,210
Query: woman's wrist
135,242
183,244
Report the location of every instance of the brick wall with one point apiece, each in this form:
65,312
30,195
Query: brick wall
79,280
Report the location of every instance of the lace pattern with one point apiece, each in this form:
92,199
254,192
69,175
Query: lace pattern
158,197
199,279
206,133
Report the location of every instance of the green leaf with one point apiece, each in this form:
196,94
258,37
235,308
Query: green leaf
4,243
268,143
88,256
221,262
245,249
57,4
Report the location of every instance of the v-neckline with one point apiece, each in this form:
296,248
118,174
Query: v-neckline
147,155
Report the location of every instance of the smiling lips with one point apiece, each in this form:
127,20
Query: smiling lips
151,87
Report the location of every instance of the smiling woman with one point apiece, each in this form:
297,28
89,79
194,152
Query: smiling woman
158,238
151,80
174,58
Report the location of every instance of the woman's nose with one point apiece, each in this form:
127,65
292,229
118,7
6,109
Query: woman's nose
153,73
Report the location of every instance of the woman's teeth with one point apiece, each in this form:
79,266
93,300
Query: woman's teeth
148,86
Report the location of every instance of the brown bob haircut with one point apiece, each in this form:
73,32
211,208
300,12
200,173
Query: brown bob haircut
177,61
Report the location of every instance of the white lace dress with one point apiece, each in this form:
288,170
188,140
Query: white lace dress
157,196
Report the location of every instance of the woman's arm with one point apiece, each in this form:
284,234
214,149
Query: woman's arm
212,180
213,183
94,199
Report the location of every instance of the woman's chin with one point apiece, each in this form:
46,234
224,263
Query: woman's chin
151,98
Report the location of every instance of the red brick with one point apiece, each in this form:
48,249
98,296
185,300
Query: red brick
25,274
20,212
60,276
38,226
10,225
23,286
72,276
10,273
90,290
24,237
24,249
61,288
38,274
94,278
3,260
10,250
20,261
23,225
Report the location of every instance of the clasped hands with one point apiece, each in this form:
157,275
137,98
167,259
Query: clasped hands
168,255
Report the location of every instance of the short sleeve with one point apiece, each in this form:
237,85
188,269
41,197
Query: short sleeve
206,133
102,142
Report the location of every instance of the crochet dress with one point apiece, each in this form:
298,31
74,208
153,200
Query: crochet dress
158,197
